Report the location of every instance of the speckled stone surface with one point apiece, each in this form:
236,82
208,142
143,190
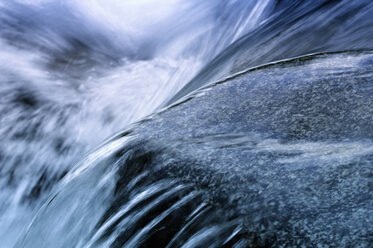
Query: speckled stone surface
287,149
277,156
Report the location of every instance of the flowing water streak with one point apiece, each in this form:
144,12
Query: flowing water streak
182,187
74,72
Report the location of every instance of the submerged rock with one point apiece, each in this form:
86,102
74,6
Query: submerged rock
278,156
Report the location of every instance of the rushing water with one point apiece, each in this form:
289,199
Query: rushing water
74,73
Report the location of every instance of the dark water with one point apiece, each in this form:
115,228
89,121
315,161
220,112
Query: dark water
276,155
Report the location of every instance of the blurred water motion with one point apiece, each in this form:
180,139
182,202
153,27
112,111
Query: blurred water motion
73,73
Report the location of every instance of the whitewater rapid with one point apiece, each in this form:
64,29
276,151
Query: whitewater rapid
73,73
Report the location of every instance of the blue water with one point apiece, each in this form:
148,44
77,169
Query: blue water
74,73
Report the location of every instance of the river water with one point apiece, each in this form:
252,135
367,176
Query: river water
75,73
